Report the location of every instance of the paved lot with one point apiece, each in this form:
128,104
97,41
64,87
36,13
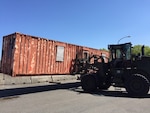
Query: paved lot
67,97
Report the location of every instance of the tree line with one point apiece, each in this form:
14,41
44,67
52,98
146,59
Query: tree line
137,50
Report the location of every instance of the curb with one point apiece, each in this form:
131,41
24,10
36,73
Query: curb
8,80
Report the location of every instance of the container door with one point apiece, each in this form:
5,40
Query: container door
7,54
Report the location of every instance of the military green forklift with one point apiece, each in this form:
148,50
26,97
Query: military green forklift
122,69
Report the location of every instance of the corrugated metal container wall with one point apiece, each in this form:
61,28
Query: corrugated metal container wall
7,54
28,55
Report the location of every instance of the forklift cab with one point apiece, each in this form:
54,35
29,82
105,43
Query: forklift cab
119,54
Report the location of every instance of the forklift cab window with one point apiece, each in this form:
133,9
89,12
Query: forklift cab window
122,51
127,51
116,54
119,54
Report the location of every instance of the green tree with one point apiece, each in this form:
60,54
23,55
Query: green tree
103,49
147,50
137,50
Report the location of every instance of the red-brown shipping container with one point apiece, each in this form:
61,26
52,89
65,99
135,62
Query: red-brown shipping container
29,55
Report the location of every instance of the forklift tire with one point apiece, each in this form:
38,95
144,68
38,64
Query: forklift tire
88,83
137,85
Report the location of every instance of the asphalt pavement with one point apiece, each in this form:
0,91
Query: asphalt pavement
68,97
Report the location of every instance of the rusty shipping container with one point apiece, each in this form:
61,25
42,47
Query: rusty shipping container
29,55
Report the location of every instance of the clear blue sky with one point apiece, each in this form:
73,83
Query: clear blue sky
91,23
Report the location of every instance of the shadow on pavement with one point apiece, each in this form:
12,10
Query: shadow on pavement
15,92
108,93
4,93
